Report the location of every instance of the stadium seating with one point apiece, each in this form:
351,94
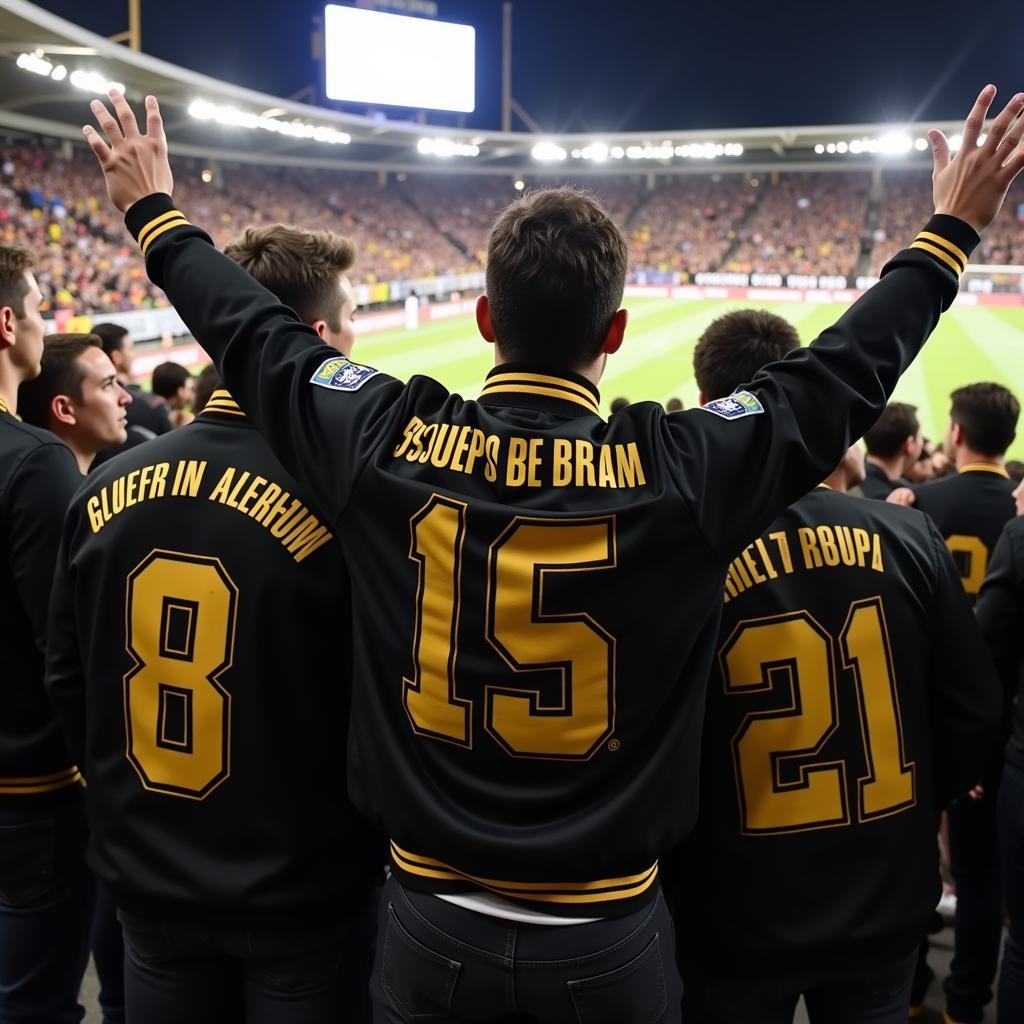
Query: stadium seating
413,227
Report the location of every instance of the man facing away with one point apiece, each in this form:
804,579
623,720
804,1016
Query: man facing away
894,445
970,509
46,891
851,699
199,663
531,744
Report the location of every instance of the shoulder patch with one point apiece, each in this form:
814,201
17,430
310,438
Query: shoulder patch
341,374
736,406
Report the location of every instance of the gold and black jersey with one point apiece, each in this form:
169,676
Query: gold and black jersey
38,476
970,509
851,698
536,591
200,661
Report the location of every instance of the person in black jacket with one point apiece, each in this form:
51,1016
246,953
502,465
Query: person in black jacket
147,418
831,745
529,671
1000,612
894,444
46,891
208,718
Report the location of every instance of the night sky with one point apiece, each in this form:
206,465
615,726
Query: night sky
592,65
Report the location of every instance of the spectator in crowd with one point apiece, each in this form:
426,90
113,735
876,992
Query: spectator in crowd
286,260
674,405
767,855
146,418
924,469
970,510
618,404
1000,611
173,385
1015,469
894,444
46,891
77,396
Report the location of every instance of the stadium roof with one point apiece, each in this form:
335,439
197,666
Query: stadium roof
50,67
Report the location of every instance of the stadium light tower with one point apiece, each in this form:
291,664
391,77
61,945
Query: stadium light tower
133,37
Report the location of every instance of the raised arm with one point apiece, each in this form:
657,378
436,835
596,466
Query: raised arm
303,395
741,460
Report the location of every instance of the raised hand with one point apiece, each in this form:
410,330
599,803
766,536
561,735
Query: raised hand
973,184
134,165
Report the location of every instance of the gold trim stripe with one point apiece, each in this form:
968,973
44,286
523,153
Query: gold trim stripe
531,389
985,467
540,378
224,411
179,223
156,222
929,236
950,261
3,406
40,783
600,891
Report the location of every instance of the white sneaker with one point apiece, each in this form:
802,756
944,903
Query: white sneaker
947,905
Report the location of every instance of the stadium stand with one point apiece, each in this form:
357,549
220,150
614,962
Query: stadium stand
420,226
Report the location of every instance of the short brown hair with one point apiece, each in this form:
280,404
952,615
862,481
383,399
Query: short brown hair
556,272
735,346
14,263
60,375
988,414
207,382
300,267
897,423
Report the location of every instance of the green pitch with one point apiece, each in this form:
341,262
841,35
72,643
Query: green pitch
971,344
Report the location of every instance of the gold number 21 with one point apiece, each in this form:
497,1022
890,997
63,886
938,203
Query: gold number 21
793,653
569,721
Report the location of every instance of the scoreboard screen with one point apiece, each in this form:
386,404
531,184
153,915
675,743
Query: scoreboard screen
393,60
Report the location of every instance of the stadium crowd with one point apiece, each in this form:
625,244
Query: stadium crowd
414,227
161,546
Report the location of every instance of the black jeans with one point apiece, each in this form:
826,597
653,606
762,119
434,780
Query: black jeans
178,972
1011,843
974,860
46,902
438,962
874,997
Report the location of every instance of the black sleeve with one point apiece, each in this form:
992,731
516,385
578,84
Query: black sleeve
1000,610
65,677
39,493
966,705
322,415
740,462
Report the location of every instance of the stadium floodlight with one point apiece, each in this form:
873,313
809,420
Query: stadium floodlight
87,81
93,81
549,152
920,145
617,152
819,149
34,62
203,110
519,185
443,147
596,151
